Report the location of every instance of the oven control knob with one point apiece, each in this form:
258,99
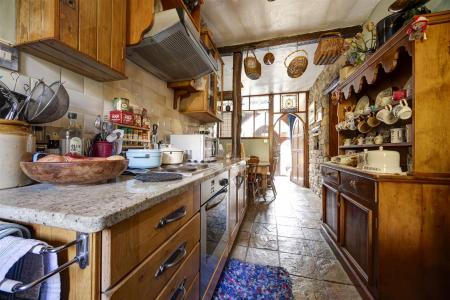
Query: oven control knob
223,182
202,161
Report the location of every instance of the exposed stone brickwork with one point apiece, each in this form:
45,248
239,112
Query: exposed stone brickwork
319,144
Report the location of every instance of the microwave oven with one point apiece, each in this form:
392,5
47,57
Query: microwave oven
199,147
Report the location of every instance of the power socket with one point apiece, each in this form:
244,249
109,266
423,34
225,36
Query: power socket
9,57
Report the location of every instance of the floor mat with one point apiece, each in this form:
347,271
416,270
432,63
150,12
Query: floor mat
241,280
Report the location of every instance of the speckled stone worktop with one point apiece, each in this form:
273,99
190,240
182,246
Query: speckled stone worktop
92,208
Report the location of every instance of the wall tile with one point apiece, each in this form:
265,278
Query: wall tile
39,69
93,88
72,80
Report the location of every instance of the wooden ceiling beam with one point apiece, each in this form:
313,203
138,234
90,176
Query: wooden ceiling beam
301,39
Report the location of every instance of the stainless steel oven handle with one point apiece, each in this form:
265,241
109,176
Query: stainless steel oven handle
174,259
180,291
172,217
212,205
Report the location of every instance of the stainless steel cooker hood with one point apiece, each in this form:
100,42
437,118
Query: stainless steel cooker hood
172,50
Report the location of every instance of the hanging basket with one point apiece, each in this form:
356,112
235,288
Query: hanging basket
269,58
298,65
329,48
252,66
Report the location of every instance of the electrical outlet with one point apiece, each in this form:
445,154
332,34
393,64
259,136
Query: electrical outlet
9,57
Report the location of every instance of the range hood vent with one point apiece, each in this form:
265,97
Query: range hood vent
172,50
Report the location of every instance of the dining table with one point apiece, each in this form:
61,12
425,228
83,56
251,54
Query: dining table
263,170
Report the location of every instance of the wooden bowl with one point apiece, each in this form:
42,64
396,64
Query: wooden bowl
77,172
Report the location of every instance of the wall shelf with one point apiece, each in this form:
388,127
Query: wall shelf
375,146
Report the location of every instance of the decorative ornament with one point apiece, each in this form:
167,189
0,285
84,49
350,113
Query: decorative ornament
417,29
269,58
336,96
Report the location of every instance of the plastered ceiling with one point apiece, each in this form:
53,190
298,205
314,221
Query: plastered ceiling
239,21
274,78
233,22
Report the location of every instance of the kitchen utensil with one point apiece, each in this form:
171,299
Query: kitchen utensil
155,136
144,158
329,48
360,140
384,98
172,156
102,149
399,94
402,110
252,66
98,122
347,142
368,140
372,121
362,105
385,115
17,144
363,127
397,135
76,172
297,66
383,161
8,103
158,177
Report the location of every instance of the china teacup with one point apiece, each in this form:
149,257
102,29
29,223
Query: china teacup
402,110
347,142
378,139
385,115
373,121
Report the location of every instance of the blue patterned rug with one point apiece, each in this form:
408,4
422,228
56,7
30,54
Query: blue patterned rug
241,280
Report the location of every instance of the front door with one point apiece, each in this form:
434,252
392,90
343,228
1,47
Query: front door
298,153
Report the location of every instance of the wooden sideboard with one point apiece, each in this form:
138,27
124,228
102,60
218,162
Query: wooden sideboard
390,232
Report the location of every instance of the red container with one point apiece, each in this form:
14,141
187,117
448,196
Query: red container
102,149
121,117
399,95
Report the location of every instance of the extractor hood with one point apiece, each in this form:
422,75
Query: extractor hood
172,50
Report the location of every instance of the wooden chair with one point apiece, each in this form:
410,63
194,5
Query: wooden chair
253,180
271,176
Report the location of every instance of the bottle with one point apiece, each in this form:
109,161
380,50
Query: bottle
72,137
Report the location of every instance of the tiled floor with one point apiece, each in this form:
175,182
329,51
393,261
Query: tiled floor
285,232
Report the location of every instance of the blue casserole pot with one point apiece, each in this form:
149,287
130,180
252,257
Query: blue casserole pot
144,158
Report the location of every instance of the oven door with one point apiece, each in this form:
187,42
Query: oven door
214,234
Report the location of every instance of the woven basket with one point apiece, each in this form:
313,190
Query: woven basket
298,65
269,58
329,48
252,66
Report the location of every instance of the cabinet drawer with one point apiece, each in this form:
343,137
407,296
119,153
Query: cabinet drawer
177,287
330,175
150,277
128,243
358,186
193,292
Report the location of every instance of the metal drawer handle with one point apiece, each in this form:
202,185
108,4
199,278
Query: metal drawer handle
353,184
174,259
331,174
71,3
172,217
180,291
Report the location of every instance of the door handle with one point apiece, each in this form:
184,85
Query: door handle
212,205
172,217
353,184
174,259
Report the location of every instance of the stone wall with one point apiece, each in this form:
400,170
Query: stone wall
319,141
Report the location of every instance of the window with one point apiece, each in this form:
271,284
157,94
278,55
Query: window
255,113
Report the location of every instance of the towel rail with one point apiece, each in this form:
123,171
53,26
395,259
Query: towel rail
81,257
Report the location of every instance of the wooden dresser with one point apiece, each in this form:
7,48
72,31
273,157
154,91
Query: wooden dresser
391,231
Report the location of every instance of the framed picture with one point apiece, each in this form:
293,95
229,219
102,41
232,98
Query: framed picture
289,103
312,113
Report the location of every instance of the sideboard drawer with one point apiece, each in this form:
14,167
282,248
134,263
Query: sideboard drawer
152,275
330,175
131,241
358,186
177,287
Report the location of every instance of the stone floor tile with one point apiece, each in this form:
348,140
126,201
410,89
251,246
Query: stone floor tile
320,249
288,221
314,224
331,270
239,252
339,291
262,257
264,241
300,265
264,218
312,234
308,289
290,231
243,238
295,246
263,228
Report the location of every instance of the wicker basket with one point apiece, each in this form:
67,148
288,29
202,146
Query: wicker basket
298,65
252,66
329,48
269,58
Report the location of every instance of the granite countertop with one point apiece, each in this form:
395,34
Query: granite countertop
92,208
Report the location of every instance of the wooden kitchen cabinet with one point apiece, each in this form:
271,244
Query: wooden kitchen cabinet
85,36
330,217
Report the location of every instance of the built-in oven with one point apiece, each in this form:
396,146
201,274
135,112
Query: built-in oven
214,226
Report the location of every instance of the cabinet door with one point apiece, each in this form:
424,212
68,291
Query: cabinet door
356,235
330,206
118,37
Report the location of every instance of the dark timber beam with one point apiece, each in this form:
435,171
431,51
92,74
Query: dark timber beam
237,106
301,39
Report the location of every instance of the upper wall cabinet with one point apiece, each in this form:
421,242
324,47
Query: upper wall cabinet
85,36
